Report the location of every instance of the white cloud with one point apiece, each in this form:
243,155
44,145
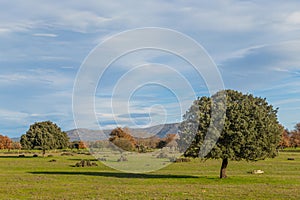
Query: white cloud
4,30
44,35
293,18
12,115
38,76
246,37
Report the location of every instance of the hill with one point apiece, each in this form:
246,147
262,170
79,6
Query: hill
90,135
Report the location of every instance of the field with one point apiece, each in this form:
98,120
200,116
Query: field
37,178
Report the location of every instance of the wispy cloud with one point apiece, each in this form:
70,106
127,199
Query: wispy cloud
255,44
51,35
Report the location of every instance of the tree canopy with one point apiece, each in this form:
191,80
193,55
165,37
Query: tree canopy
249,130
5,142
295,136
122,139
44,135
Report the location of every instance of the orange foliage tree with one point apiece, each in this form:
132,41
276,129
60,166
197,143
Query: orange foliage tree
123,139
285,139
5,142
82,145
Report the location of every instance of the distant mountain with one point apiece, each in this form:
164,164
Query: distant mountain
16,139
159,130
90,135
87,134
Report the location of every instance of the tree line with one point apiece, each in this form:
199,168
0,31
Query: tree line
229,125
8,144
47,135
123,139
290,138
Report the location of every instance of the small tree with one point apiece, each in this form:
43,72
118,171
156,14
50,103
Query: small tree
285,139
44,135
82,145
16,146
251,130
122,138
295,136
5,142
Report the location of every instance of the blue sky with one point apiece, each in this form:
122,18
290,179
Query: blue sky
255,45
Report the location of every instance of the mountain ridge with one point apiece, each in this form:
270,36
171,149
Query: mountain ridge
160,131
85,134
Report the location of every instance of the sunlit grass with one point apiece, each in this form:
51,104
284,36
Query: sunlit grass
37,178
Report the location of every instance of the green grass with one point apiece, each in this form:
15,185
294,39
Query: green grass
291,149
37,178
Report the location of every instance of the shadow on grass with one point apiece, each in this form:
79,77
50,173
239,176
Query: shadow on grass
115,174
27,156
79,159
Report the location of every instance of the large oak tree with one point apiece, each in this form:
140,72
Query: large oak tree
241,127
44,135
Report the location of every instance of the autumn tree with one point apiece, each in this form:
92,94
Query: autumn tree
122,139
295,136
16,145
82,145
150,142
241,127
285,139
168,141
5,142
45,136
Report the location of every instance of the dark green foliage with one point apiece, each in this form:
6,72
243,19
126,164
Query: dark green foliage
44,135
251,130
161,144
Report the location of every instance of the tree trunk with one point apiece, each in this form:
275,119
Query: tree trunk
223,168
44,152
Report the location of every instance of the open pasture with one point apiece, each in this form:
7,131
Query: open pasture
37,178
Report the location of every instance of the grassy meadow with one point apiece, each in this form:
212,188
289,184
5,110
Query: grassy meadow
37,178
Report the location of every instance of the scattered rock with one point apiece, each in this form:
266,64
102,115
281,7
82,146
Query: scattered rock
94,164
291,158
162,155
53,160
178,160
122,159
66,154
77,165
258,171
85,163
102,159
172,159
